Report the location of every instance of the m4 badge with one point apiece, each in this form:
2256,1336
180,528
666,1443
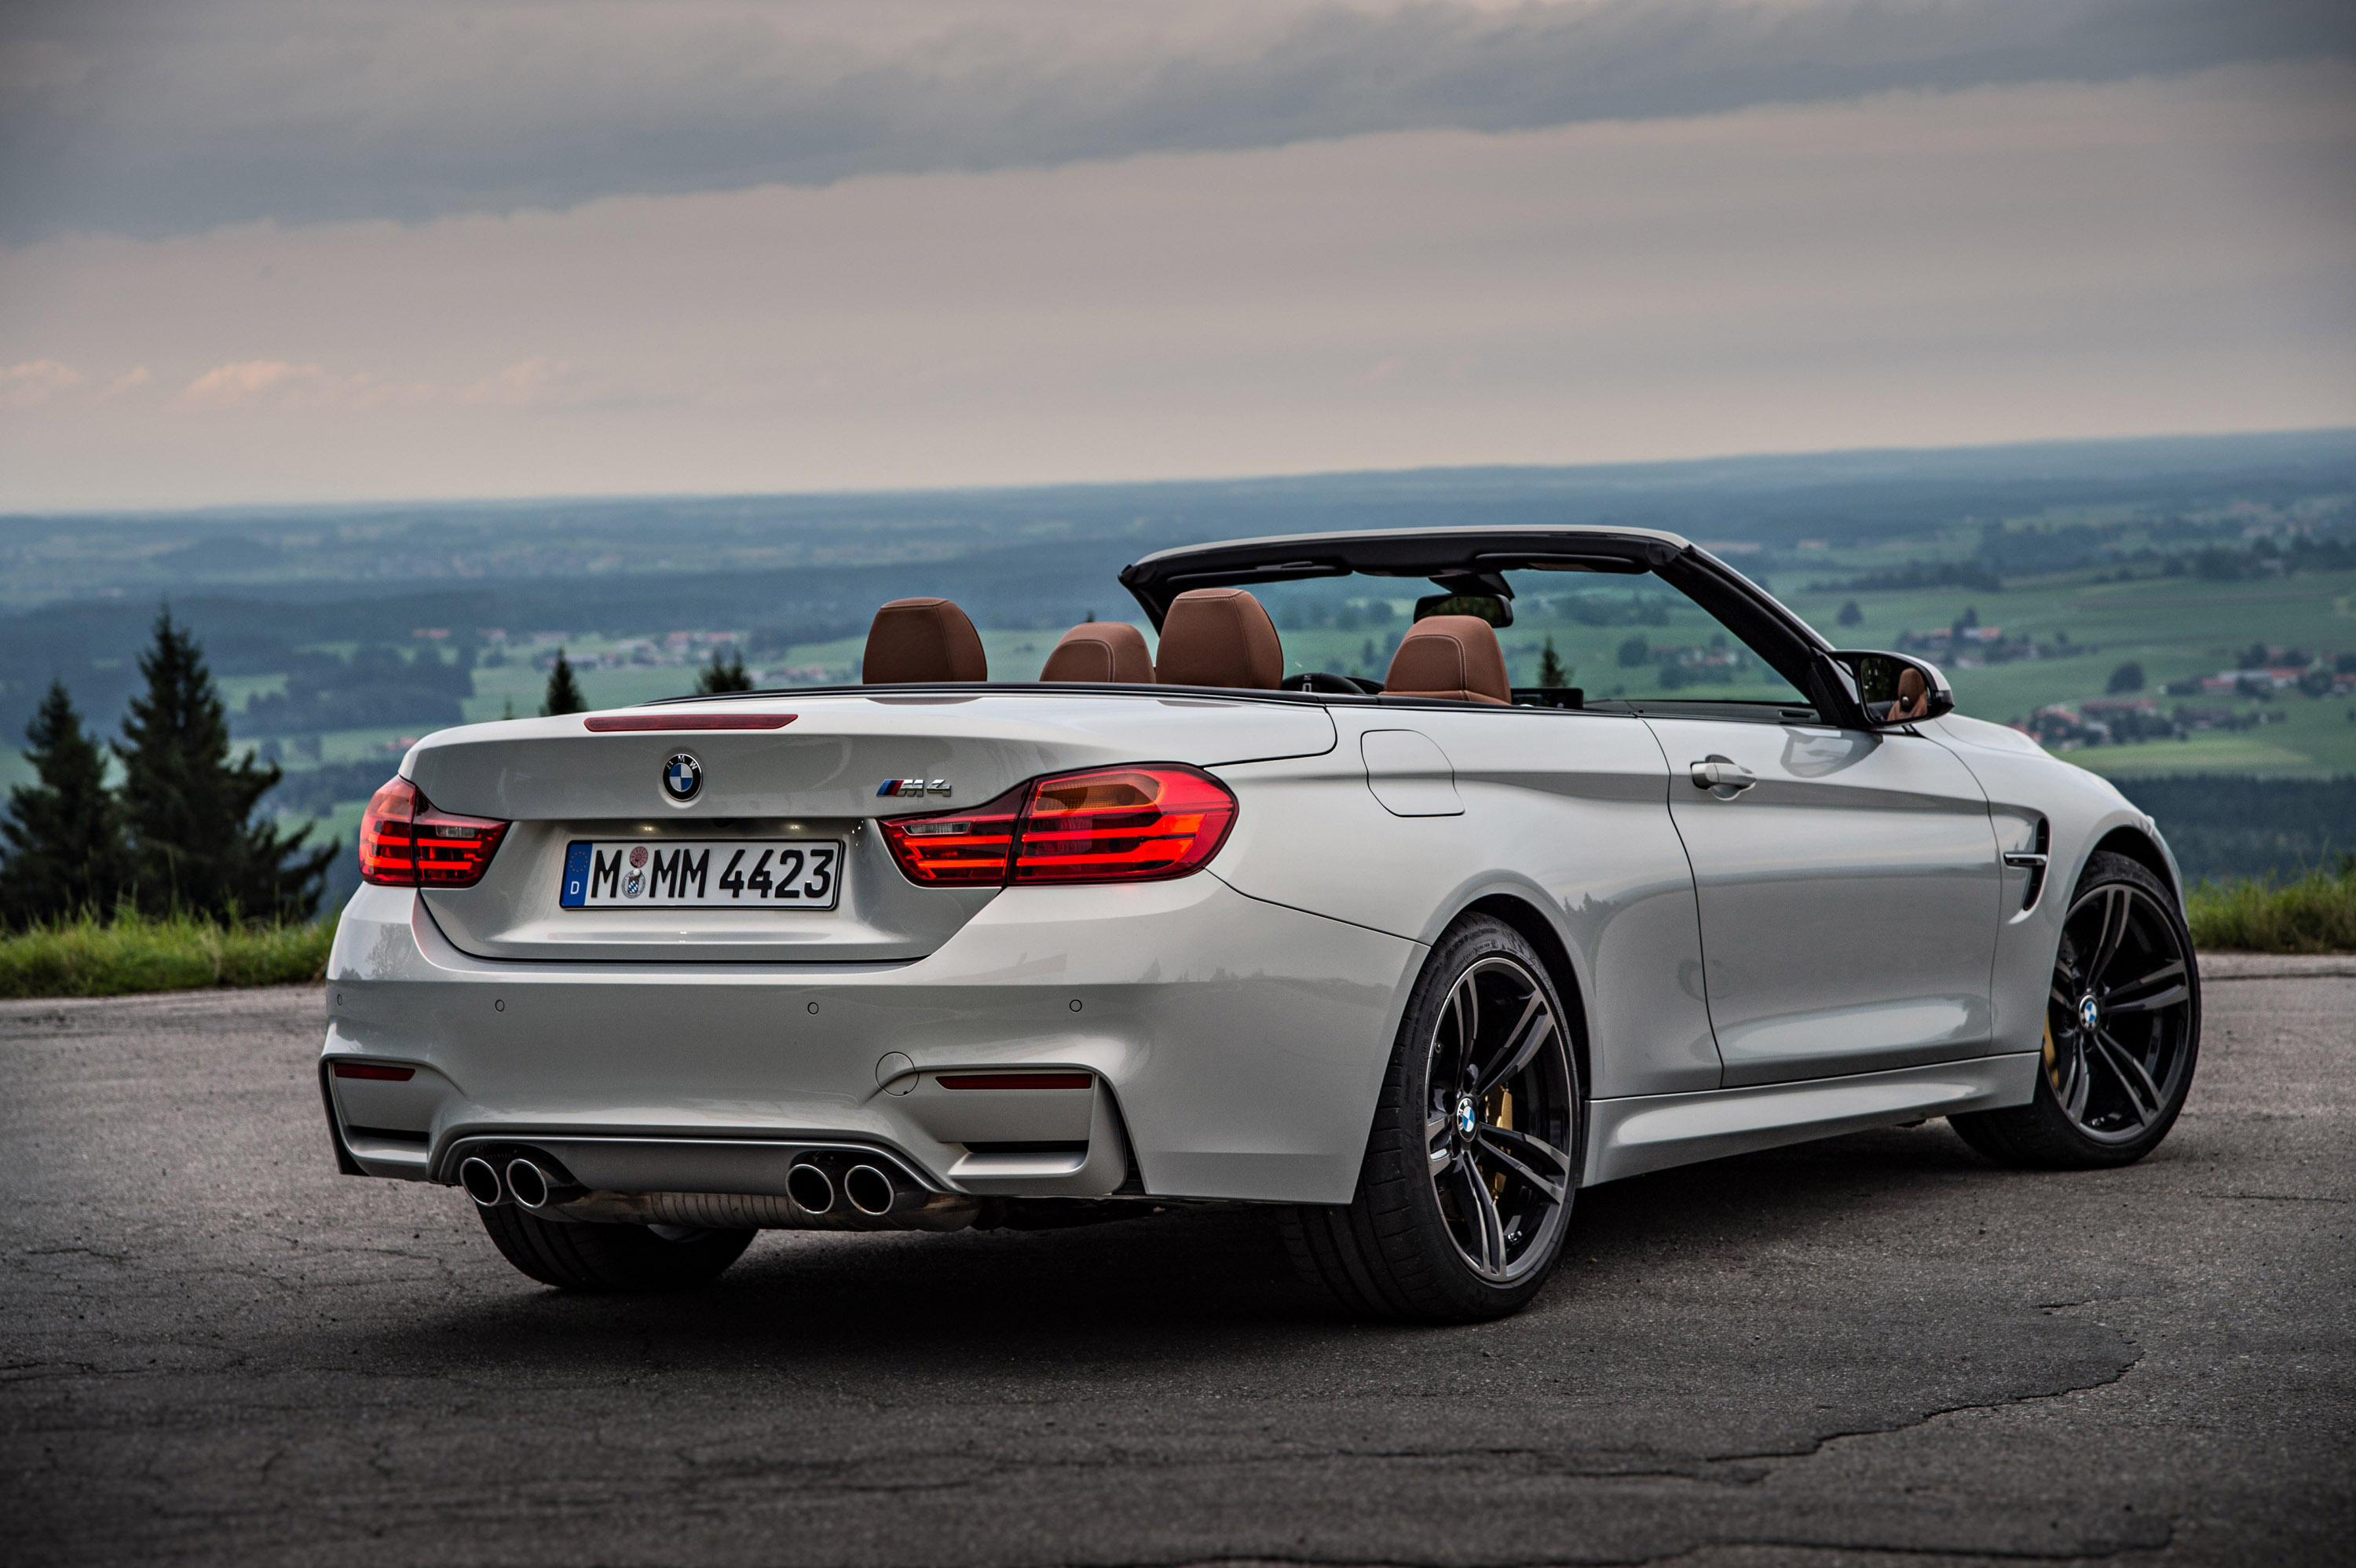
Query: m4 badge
913,787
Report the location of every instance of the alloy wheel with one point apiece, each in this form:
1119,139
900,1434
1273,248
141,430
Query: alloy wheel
2119,1017
1497,1128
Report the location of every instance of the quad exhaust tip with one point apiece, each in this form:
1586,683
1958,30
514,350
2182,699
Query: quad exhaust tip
481,1180
869,1190
811,1189
527,1184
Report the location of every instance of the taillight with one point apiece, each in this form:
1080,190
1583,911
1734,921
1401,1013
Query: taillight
1106,824
957,849
1122,824
408,842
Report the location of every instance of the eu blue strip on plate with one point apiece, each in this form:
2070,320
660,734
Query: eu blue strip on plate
577,876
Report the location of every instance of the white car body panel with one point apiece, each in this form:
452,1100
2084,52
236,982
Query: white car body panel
1842,945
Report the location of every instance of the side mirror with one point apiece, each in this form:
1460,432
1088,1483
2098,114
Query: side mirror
1894,690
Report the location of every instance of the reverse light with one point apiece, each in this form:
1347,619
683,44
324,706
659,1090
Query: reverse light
1105,825
408,842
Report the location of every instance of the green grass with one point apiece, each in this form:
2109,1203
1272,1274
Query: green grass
2317,914
111,957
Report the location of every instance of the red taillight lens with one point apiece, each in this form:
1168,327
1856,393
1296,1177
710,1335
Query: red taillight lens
1122,824
407,842
1108,824
957,849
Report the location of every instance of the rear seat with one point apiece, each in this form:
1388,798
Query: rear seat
922,641
1219,636
1100,651
1454,656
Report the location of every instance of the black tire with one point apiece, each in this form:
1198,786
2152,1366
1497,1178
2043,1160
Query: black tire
2107,1090
600,1257
1476,1237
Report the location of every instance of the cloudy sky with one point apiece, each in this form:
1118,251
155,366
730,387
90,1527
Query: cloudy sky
272,250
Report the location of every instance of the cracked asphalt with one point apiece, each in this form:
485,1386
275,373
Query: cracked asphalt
213,1348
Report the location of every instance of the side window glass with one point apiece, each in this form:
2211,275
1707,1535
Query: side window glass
1634,639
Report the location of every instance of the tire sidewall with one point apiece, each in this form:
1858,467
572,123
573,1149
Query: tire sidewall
2104,867
1398,1143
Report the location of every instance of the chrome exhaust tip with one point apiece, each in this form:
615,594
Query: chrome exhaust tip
481,1180
527,1184
811,1189
870,1190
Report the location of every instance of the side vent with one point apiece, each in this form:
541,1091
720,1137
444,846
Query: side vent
2034,861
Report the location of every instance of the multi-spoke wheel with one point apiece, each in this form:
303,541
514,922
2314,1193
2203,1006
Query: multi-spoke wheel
2122,1030
1477,1144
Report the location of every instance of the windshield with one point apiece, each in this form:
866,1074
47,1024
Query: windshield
1633,637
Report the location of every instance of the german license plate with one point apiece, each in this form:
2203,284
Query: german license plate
703,873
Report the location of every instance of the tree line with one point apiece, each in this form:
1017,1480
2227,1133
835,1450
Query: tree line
181,833
178,835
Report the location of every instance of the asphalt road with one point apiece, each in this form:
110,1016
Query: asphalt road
214,1348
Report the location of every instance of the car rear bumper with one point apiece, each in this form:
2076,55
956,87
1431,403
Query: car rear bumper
1232,1048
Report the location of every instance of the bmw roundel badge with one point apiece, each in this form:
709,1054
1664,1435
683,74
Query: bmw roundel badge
682,777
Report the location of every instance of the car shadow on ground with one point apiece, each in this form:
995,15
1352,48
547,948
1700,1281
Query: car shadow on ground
1180,1284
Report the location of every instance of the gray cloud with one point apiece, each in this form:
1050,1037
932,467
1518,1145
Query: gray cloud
159,118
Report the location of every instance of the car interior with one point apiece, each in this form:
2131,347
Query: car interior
1212,636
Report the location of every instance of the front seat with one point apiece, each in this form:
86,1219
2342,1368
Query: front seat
1101,651
1453,657
921,640
1219,636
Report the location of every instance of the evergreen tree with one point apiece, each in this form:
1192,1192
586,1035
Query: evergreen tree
1550,670
719,676
564,691
63,849
189,809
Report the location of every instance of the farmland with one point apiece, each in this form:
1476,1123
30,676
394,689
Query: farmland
2031,575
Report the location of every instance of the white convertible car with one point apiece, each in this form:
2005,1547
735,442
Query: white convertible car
1414,962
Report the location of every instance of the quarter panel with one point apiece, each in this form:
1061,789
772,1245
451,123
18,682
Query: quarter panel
1565,809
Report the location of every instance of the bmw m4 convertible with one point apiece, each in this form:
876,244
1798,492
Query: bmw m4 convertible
1410,962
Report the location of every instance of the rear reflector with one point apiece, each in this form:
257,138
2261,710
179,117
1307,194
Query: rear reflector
1106,824
610,723
1017,1081
371,1070
407,842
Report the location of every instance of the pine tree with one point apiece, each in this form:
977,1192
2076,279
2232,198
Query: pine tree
564,691
189,809
1550,670
719,677
64,853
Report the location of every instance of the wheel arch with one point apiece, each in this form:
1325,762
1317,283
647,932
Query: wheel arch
2144,850
1531,924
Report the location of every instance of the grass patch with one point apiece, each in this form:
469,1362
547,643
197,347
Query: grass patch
111,957
2317,914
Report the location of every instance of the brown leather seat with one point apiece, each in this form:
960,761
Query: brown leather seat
1100,650
1219,636
1450,656
923,640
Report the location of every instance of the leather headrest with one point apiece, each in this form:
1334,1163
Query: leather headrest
1219,636
923,640
1450,656
1100,650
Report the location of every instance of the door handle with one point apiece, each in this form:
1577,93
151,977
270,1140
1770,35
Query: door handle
1717,773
